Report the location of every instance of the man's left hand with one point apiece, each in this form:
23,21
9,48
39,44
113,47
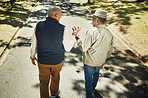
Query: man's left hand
33,60
75,30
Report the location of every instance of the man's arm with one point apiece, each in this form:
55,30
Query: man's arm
68,41
84,44
33,48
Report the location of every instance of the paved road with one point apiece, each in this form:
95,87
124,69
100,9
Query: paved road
123,75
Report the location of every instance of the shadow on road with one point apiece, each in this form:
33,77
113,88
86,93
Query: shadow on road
124,74
36,85
68,9
13,15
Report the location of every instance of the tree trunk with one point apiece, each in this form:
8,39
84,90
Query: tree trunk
12,3
88,1
140,0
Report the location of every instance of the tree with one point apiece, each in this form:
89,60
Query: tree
12,2
88,1
140,0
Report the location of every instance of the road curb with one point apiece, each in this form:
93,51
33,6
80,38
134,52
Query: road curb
6,49
143,59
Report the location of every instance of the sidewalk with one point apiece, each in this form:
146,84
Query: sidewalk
123,76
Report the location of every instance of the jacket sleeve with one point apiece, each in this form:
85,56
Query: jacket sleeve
85,44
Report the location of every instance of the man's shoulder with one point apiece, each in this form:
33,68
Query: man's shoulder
92,30
105,30
108,31
40,23
62,25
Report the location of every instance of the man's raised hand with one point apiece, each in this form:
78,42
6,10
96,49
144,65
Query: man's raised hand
75,30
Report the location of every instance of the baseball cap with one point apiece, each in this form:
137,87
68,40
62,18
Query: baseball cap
100,13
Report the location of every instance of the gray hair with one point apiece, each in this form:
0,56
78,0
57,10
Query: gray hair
53,10
102,20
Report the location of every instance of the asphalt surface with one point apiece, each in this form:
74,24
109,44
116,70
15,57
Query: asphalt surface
123,75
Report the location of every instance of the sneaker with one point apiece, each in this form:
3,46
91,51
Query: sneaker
55,95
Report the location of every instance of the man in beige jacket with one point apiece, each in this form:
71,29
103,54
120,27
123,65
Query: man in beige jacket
97,47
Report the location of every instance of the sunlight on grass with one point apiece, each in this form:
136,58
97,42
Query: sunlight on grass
131,20
12,19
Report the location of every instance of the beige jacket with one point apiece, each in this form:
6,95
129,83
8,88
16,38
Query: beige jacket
96,46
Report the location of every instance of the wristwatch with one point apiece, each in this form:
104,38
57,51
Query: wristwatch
76,37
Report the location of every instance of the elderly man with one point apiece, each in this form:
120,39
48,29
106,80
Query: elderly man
50,40
97,47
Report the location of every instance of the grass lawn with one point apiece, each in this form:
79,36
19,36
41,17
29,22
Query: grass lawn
129,19
11,18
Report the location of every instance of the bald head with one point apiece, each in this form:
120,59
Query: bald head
55,12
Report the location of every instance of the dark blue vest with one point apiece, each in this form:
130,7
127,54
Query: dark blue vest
49,34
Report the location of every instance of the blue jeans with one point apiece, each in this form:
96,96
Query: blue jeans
91,78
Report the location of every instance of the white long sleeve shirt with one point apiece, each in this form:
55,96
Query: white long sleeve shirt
68,43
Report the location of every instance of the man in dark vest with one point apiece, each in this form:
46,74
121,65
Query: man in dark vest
50,40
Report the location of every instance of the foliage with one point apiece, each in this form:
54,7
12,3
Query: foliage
11,18
130,18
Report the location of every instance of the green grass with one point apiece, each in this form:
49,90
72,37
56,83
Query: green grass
131,20
11,18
